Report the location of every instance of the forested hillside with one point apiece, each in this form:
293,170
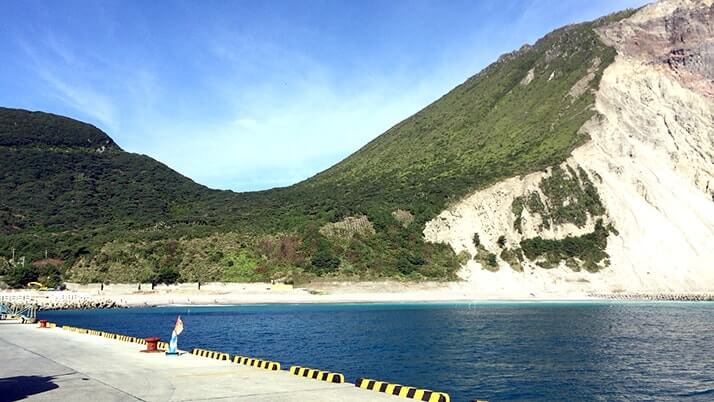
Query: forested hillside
68,192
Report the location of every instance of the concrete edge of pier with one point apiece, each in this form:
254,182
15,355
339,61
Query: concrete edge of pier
52,364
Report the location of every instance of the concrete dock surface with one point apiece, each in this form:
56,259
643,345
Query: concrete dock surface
56,365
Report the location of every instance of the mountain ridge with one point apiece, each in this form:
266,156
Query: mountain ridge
650,160
372,215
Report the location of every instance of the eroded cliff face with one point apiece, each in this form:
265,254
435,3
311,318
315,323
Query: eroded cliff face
650,163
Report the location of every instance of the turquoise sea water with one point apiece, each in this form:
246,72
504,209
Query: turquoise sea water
546,351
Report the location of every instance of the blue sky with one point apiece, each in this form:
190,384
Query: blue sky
249,95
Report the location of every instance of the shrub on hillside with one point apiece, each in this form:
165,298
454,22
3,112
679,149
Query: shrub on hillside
4,266
167,276
324,260
20,276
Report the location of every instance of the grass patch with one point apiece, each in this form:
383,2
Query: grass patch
586,251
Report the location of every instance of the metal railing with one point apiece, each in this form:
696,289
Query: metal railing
26,312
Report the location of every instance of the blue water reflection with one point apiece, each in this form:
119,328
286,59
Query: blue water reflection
495,351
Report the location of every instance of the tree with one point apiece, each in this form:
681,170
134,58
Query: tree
491,260
20,276
166,275
4,266
325,259
50,276
477,240
408,263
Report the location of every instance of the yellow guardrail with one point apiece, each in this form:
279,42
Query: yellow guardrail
74,329
125,338
252,362
402,390
316,374
211,354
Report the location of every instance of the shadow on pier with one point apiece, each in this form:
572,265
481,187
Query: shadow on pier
20,387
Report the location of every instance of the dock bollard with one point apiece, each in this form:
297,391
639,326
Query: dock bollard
43,323
152,345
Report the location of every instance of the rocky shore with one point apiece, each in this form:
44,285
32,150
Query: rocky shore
81,304
123,296
88,304
656,296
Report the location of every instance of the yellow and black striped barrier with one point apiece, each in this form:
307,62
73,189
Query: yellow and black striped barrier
403,391
109,335
264,364
211,354
162,345
125,338
74,329
316,374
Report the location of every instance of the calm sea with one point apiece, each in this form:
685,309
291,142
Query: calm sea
495,351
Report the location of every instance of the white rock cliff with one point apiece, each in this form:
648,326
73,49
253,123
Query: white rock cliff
651,158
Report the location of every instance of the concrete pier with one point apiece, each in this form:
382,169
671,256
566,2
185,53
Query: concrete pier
53,364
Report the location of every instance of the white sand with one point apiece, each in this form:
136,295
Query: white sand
332,292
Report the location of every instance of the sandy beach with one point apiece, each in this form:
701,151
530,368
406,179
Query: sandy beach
134,295
130,295
332,292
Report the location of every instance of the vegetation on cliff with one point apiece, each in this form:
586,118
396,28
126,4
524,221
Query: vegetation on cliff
69,191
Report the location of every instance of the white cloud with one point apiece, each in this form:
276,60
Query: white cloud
245,112
245,122
84,100
290,134
61,70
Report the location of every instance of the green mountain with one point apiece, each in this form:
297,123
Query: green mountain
69,192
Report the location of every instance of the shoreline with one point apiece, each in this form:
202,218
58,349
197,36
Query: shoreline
232,294
435,302
455,302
